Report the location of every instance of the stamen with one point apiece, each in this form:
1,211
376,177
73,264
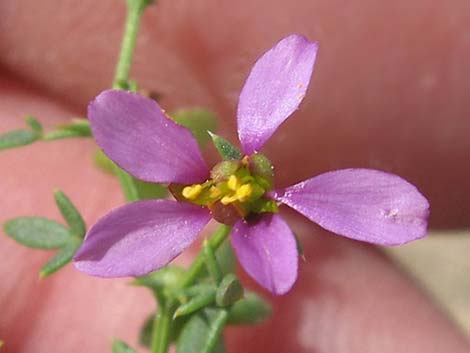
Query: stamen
215,192
244,192
232,182
192,192
228,199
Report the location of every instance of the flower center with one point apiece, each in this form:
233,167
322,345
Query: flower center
236,189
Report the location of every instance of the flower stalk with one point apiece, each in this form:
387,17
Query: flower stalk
135,9
215,241
166,312
162,326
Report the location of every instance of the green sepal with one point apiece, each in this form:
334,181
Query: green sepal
70,214
229,291
226,150
121,347
222,170
261,167
35,125
194,304
17,138
62,258
252,309
264,205
199,121
202,332
37,233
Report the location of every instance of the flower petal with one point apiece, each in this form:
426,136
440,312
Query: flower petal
134,132
274,89
362,204
267,250
140,237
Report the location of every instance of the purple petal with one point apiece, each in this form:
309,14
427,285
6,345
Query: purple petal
134,132
361,204
267,250
140,237
274,89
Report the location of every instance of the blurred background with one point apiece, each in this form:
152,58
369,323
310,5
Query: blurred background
441,263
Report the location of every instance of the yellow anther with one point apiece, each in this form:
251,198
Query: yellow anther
232,182
215,192
192,192
245,160
228,199
244,192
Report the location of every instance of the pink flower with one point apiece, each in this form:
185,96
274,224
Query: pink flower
143,236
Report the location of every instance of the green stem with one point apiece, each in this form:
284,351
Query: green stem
162,326
135,9
127,185
198,265
211,262
215,331
164,316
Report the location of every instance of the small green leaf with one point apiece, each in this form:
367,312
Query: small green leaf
70,214
199,121
202,332
121,347
38,233
17,138
76,128
79,125
34,124
226,150
60,134
252,309
196,303
229,291
62,258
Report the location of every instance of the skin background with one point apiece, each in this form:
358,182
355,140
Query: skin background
390,91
